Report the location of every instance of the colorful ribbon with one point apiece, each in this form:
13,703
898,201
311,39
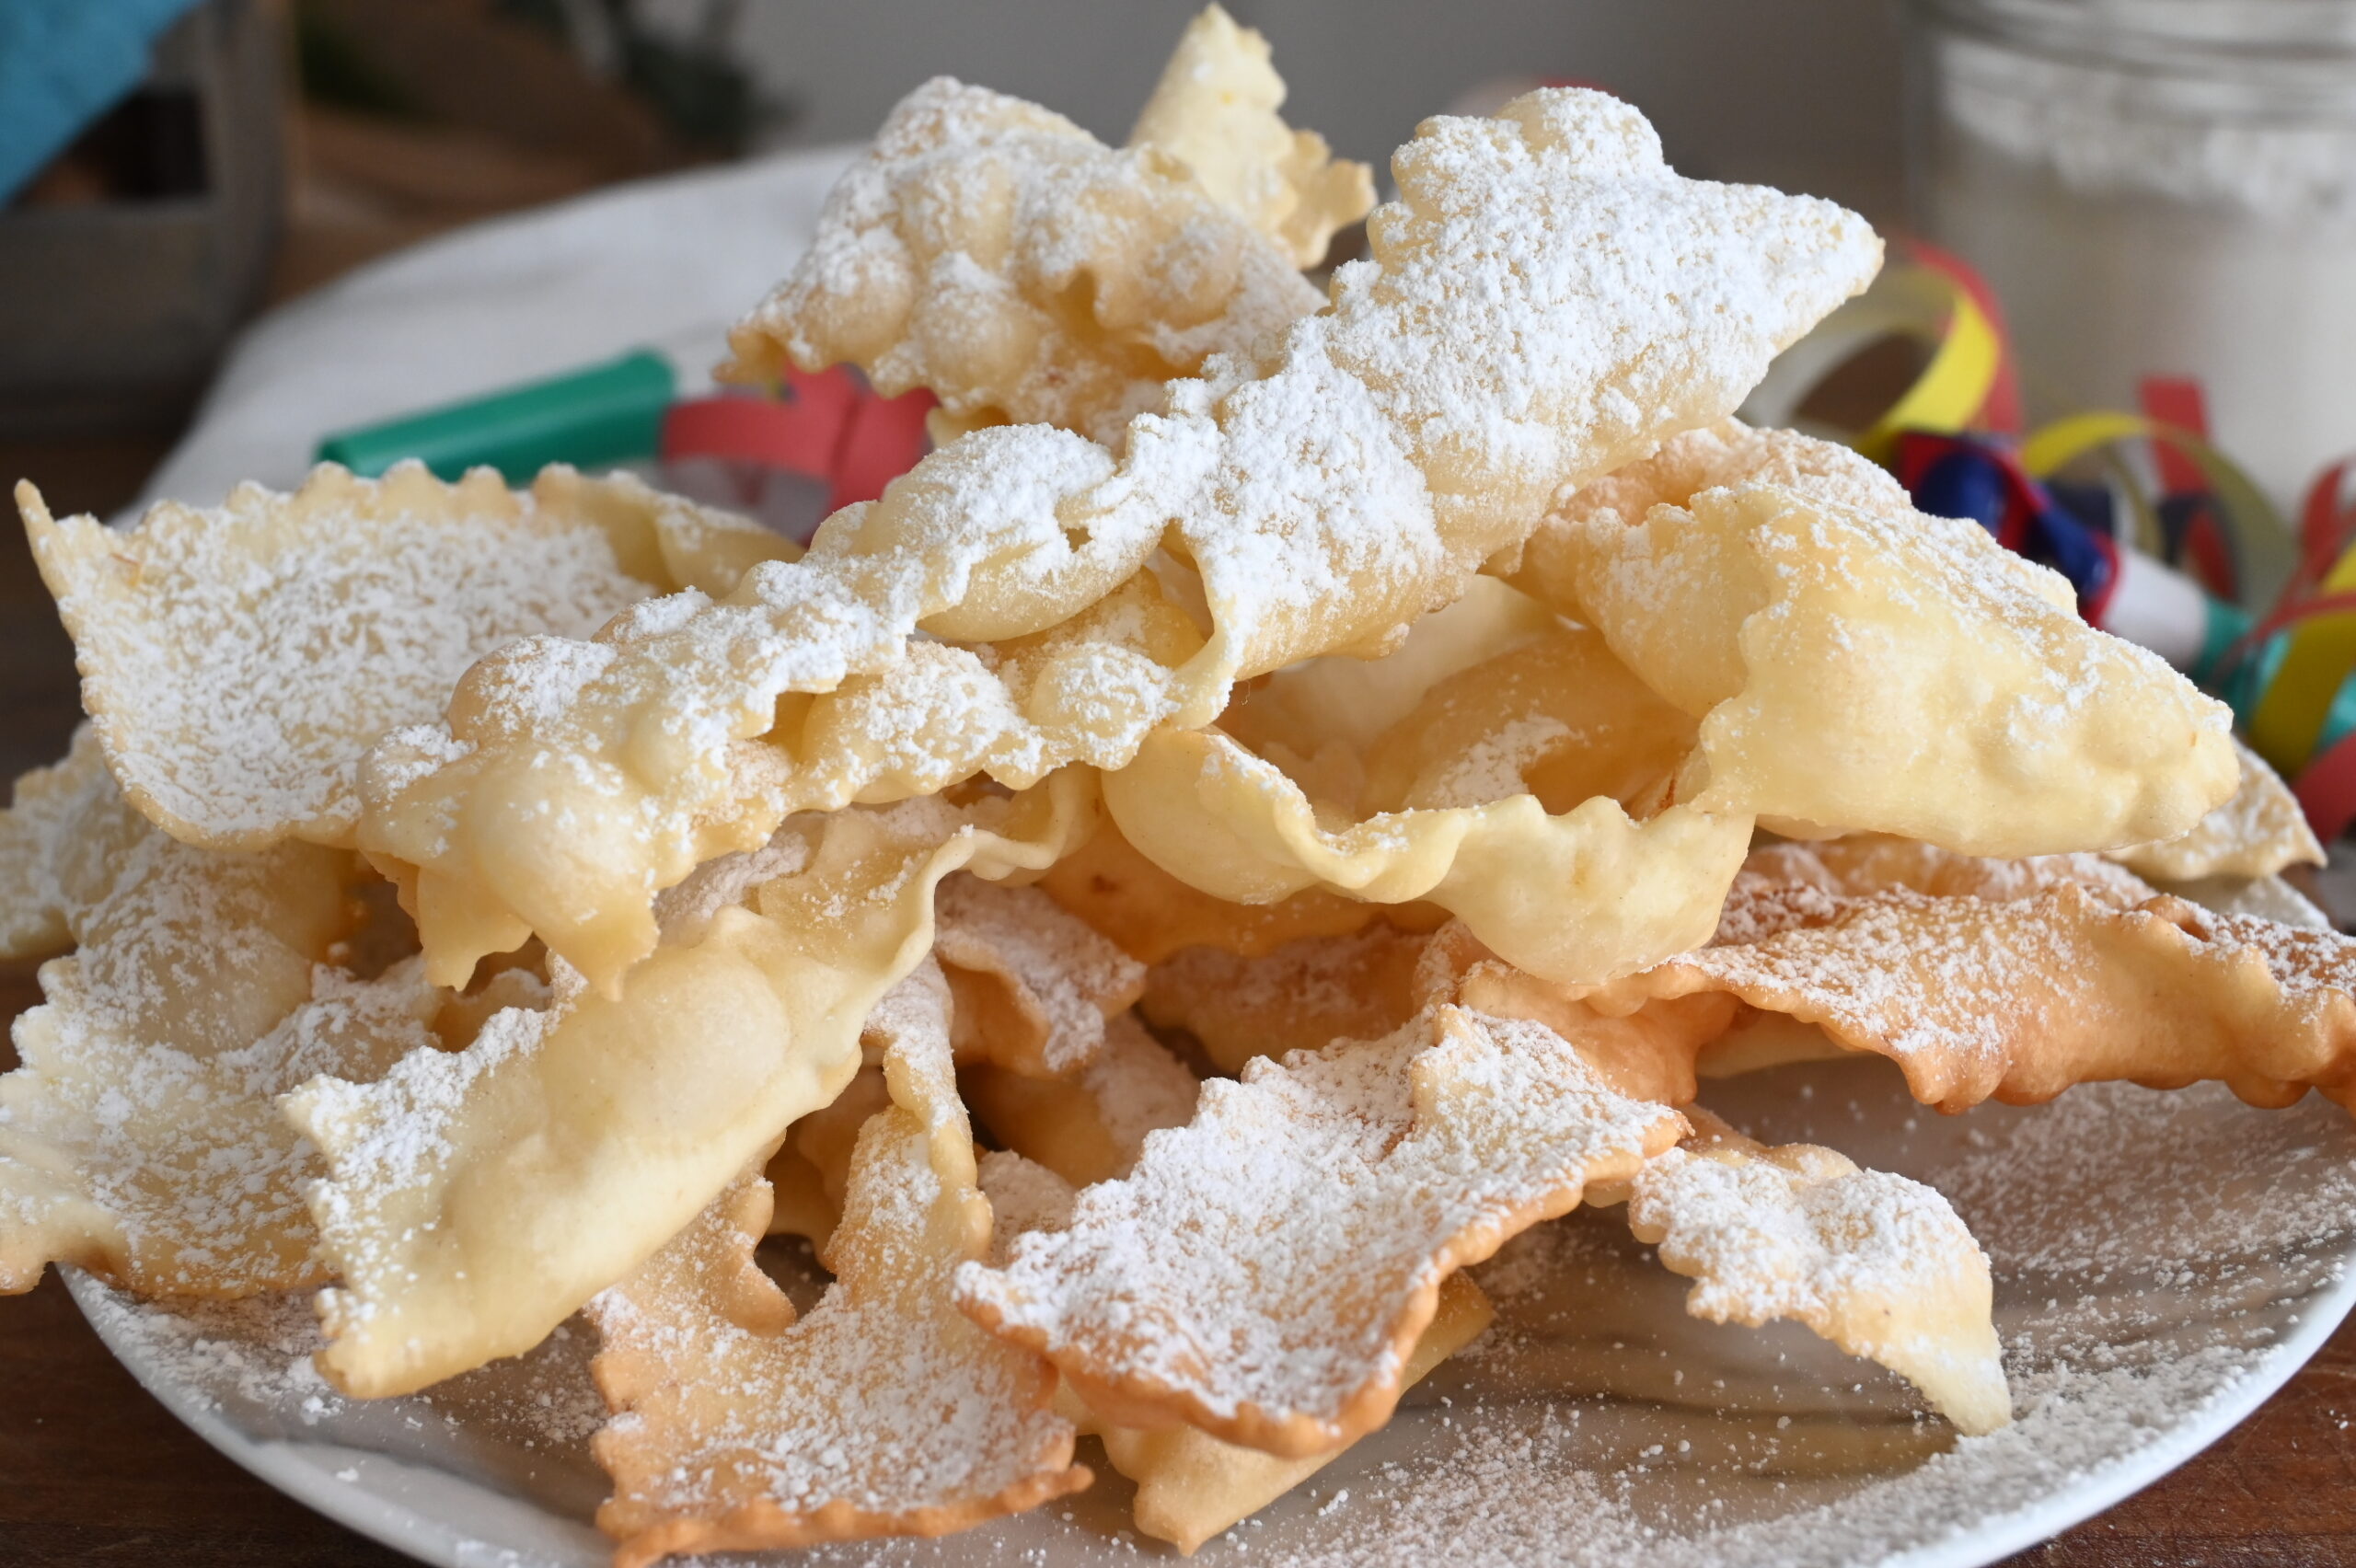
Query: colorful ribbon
1956,475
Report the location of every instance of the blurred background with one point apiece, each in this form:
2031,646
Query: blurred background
233,153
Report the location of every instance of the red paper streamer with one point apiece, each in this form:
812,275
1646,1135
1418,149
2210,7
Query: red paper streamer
826,425
2326,789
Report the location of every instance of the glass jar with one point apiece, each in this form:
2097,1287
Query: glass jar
2156,188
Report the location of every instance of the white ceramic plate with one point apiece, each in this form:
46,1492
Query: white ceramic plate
2164,1261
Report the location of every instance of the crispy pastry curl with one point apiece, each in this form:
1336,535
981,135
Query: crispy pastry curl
1856,665
1215,110
993,253
1522,784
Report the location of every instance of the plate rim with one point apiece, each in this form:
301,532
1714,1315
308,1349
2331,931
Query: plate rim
425,1538
357,1508
2228,1407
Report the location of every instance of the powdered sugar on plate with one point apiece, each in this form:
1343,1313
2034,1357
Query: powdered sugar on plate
250,1361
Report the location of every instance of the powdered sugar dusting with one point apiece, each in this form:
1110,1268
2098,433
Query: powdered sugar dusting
1258,1267
2133,1311
390,1137
951,258
1138,1086
139,1137
1059,977
1758,1253
1546,299
238,662
184,1147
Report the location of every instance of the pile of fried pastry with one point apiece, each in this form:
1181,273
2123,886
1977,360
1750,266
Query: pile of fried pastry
1299,786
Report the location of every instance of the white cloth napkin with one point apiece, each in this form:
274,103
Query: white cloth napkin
665,264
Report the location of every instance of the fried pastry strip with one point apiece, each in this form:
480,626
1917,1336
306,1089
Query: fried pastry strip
138,1140
885,1412
38,838
1956,691
996,255
1976,998
236,662
1875,1263
1191,1485
476,1199
1854,664
1265,1272
1546,302
1215,110
1649,1055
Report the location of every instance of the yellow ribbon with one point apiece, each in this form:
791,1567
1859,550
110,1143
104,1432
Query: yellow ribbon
1953,388
1909,301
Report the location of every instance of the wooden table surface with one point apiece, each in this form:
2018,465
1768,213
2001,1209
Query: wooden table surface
93,1472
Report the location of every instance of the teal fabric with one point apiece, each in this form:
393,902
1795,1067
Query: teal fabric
63,63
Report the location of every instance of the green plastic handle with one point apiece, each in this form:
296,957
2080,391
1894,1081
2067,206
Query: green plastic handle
604,414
